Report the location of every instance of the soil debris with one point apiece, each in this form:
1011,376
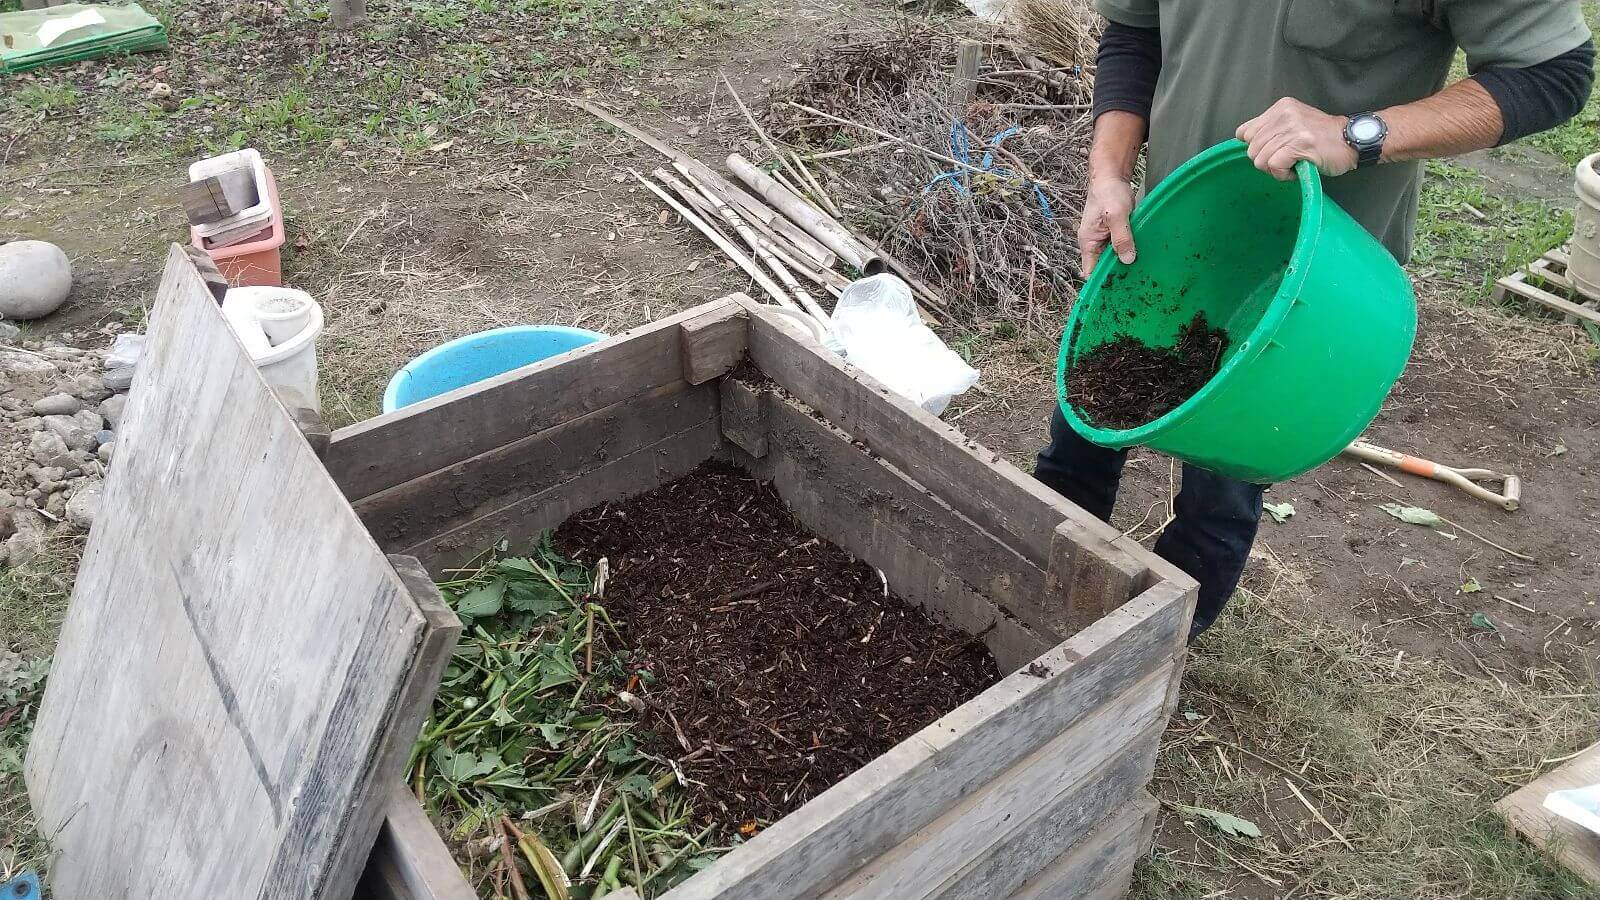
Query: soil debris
781,662
1127,383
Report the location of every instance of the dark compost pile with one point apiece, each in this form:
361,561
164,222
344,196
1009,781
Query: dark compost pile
1126,383
775,663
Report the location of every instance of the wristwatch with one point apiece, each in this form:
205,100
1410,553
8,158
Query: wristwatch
1365,132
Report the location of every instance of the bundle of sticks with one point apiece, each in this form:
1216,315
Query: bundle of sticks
780,228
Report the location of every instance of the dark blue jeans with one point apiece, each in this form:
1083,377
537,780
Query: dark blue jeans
1216,519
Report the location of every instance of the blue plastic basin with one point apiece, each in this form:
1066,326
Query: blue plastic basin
468,360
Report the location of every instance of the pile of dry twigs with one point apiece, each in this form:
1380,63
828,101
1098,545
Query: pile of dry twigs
977,191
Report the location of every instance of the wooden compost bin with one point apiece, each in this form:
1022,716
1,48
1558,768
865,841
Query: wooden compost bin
1033,789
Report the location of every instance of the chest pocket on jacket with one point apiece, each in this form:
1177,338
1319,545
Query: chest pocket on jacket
1358,29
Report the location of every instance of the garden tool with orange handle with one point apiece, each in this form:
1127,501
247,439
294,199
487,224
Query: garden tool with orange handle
1509,498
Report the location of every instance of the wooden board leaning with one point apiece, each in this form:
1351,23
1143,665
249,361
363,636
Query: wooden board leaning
229,681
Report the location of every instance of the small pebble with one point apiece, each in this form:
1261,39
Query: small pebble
119,379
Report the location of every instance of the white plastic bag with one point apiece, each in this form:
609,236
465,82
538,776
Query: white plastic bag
877,328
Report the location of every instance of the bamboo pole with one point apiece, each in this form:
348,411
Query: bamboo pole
751,207
789,255
740,259
758,245
814,221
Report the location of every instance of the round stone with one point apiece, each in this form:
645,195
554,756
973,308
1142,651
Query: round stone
35,279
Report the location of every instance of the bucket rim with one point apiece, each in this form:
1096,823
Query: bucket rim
391,392
1227,153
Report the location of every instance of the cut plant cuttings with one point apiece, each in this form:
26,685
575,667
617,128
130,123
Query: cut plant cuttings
1414,515
531,738
1480,620
1227,823
1280,512
1471,586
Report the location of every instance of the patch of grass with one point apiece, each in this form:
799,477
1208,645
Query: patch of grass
32,601
1467,237
46,98
1403,756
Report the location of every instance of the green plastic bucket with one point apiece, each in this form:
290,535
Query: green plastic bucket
1320,317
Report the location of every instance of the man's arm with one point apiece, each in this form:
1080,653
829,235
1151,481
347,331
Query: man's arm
1127,67
1495,106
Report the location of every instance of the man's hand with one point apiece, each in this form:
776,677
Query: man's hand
1105,218
1290,131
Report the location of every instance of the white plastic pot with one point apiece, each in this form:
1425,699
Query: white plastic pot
260,214
1583,265
284,343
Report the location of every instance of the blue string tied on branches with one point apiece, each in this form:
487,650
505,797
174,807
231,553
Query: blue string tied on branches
961,150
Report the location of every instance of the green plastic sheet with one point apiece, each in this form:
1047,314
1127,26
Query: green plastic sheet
25,39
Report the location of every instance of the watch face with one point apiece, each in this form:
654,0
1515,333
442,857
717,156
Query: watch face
1365,129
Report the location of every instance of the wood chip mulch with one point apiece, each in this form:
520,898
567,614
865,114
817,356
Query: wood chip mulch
777,664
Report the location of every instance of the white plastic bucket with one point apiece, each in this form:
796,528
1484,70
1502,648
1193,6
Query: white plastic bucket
1583,265
289,361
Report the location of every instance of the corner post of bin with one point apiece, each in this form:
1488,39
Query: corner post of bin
714,341
1087,576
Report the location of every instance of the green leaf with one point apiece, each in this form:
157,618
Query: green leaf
1479,620
502,717
535,597
482,601
1280,512
1471,586
639,785
1414,515
622,753
1227,823
551,732
463,765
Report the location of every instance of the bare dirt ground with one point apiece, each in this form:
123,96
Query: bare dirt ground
1355,669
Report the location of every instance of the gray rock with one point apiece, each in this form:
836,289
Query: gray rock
85,504
44,475
7,500
91,421
112,408
48,449
62,352
28,543
9,333
104,437
125,351
35,279
17,363
105,452
57,405
118,380
70,430
56,505
88,388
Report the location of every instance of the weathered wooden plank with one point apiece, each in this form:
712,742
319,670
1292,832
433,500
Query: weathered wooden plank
410,861
410,513
971,478
1030,847
859,486
744,416
998,836
914,575
226,676
1101,865
714,341
408,443
1088,576
525,519
892,797
442,630
1570,844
